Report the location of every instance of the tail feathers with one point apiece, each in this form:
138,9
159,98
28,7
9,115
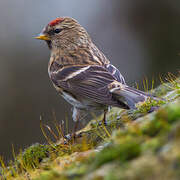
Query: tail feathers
131,96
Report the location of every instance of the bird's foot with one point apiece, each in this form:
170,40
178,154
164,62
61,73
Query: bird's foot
71,138
103,123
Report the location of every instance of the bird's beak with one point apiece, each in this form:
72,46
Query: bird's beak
42,37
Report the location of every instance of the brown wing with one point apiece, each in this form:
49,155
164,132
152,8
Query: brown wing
87,82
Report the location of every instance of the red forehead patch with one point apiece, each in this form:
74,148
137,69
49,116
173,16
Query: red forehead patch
56,21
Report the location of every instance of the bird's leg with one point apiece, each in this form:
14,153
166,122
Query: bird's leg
75,116
78,115
75,128
104,122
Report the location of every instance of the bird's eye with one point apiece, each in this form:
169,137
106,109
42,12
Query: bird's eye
57,31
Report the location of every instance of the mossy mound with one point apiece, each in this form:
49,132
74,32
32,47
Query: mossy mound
134,145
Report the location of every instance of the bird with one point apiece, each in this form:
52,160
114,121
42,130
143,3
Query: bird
82,74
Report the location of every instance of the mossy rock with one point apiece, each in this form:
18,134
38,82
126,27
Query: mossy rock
33,155
134,145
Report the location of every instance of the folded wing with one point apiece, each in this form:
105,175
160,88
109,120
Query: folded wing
88,82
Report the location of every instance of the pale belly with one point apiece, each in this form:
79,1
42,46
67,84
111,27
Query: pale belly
86,105
73,101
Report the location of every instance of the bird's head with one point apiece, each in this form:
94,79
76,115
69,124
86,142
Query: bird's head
64,33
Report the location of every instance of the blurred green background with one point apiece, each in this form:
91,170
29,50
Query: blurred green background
140,37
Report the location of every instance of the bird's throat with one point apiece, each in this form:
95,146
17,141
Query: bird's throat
49,43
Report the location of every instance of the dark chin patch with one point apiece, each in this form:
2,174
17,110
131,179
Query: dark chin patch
49,43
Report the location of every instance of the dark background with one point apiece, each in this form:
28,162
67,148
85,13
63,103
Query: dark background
140,37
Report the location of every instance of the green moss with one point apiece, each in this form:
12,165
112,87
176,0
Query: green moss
162,90
33,155
126,150
111,176
77,170
50,175
155,127
153,144
147,106
162,120
173,112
